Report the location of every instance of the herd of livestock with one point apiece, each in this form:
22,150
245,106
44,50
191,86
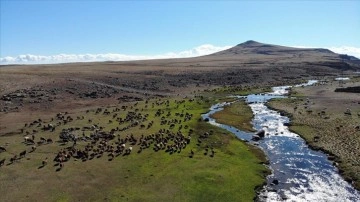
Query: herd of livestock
92,140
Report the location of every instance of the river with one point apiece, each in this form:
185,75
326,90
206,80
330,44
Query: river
298,172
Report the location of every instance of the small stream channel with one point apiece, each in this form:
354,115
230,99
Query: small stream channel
300,174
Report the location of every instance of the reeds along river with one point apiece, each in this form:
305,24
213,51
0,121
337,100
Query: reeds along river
298,173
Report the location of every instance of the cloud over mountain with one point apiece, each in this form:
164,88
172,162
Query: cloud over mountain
64,58
353,51
197,51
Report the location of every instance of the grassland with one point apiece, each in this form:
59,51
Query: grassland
231,174
30,92
327,129
238,115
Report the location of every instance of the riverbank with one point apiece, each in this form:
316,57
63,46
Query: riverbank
238,115
318,114
213,166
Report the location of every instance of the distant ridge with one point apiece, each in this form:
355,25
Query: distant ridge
251,43
254,47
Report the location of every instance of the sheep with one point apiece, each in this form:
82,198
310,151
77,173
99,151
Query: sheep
2,149
212,153
22,154
44,162
111,156
128,151
61,165
33,148
206,151
28,140
49,141
191,154
13,159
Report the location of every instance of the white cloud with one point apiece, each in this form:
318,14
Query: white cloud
353,51
197,51
64,58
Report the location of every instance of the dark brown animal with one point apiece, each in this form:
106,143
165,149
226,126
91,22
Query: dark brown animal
22,154
44,162
13,159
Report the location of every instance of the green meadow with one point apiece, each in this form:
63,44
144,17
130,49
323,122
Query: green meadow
232,172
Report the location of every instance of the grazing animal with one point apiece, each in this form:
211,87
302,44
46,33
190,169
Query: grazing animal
28,140
212,153
111,156
2,149
61,165
13,159
44,162
191,154
206,151
2,162
22,154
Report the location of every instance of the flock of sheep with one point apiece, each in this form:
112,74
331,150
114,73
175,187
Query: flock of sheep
90,140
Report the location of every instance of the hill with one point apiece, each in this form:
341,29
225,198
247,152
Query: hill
139,100
75,85
261,55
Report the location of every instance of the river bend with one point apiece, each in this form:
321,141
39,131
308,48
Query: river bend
298,173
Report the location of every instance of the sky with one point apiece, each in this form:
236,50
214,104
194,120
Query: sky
50,31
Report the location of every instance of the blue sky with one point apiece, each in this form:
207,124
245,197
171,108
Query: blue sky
156,27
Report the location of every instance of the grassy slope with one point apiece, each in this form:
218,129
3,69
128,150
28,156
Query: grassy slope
336,132
238,115
231,175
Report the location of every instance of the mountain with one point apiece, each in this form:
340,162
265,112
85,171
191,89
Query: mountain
253,54
254,47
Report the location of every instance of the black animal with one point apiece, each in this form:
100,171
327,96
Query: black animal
2,162
2,149
49,141
44,162
13,159
22,154
191,154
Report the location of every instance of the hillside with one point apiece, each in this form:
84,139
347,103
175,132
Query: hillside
75,85
261,55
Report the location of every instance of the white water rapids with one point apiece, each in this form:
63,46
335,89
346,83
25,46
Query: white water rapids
302,174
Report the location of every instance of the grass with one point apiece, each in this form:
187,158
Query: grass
334,133
238,115
233,174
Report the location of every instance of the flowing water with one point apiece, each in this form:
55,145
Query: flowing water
298,173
